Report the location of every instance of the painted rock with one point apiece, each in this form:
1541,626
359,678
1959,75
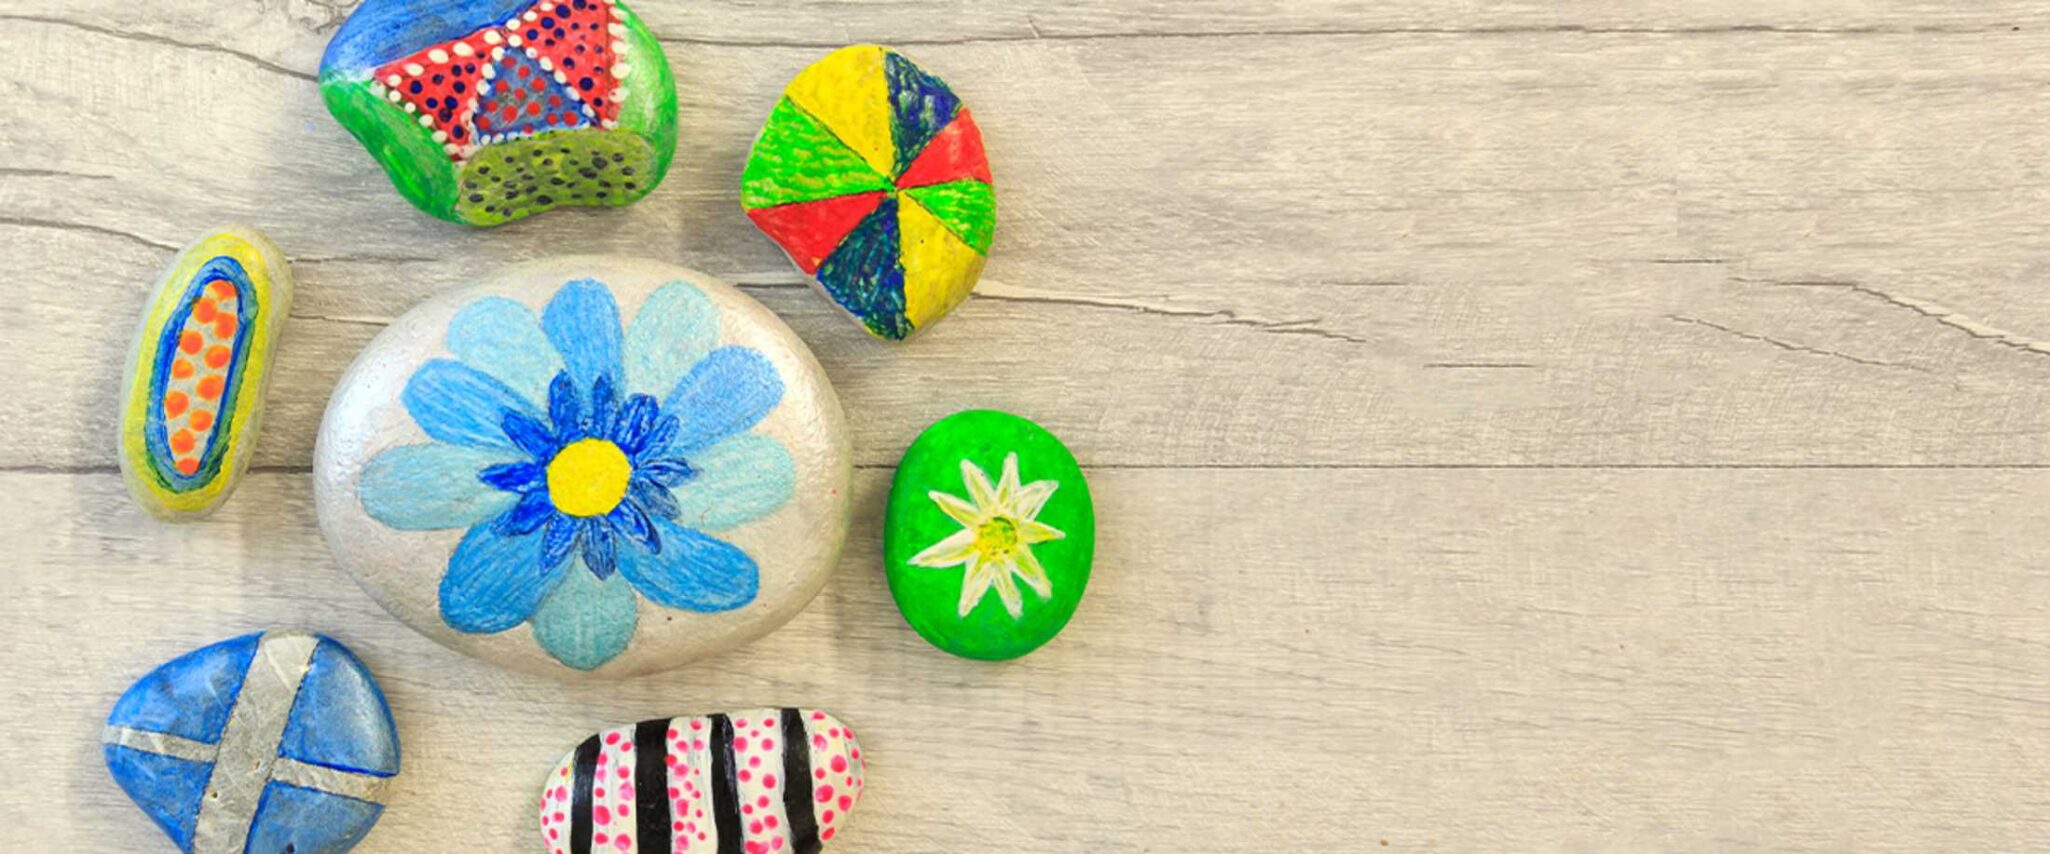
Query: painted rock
871,176
198,371
989,535
767,781
587,466
278,741
486,111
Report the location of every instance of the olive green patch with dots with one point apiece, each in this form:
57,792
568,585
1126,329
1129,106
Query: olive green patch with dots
582,168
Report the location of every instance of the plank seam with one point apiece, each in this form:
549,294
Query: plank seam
150,38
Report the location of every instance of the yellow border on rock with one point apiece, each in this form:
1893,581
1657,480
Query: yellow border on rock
271,278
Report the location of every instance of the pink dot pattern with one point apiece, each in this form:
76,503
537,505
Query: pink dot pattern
835,785
836,771
612,798
555,806
612,792
690,780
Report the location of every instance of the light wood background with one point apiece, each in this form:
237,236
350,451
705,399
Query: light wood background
1608,426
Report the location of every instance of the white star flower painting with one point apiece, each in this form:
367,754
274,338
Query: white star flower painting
998,531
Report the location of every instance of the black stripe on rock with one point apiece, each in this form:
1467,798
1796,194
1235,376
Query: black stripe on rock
580,796
725,789
651,788
804,826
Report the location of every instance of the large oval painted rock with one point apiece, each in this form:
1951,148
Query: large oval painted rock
486,111
990,535
871,175
198,371
278,741
587,466
764,781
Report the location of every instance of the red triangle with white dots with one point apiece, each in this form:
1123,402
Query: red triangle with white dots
582,43
438,86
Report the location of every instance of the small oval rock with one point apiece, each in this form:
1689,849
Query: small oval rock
871,175
990,535
765,781
587,466
198,372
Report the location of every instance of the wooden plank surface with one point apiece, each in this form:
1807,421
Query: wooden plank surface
1268,660
1557,248
1517,426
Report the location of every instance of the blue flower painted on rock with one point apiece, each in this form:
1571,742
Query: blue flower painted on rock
589,463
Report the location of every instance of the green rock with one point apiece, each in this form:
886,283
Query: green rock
990,535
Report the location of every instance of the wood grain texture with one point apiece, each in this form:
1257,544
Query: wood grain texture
1515,426
1403,248
1277,659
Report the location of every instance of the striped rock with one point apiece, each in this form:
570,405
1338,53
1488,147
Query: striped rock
765,781
279,741
198,370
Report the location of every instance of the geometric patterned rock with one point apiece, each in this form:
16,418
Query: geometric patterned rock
762,781
278,741
486,111
872,176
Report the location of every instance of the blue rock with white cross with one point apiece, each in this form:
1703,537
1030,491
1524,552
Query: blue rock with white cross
276,742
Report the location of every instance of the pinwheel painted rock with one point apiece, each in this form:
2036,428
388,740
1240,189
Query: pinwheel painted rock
279,741
871,175
486,111
587,466
765,781
198,370
989,536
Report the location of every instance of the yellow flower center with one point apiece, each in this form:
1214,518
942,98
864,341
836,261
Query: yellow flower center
589,478
997,537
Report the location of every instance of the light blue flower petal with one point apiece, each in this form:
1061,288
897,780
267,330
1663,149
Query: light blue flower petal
495,582
586,622
503,338
432,487
738,481
582,322
693,572
676,327
731,390
460,405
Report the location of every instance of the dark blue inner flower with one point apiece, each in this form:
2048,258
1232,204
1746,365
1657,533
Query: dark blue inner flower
599,472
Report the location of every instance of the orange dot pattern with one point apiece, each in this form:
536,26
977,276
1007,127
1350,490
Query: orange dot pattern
199,375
